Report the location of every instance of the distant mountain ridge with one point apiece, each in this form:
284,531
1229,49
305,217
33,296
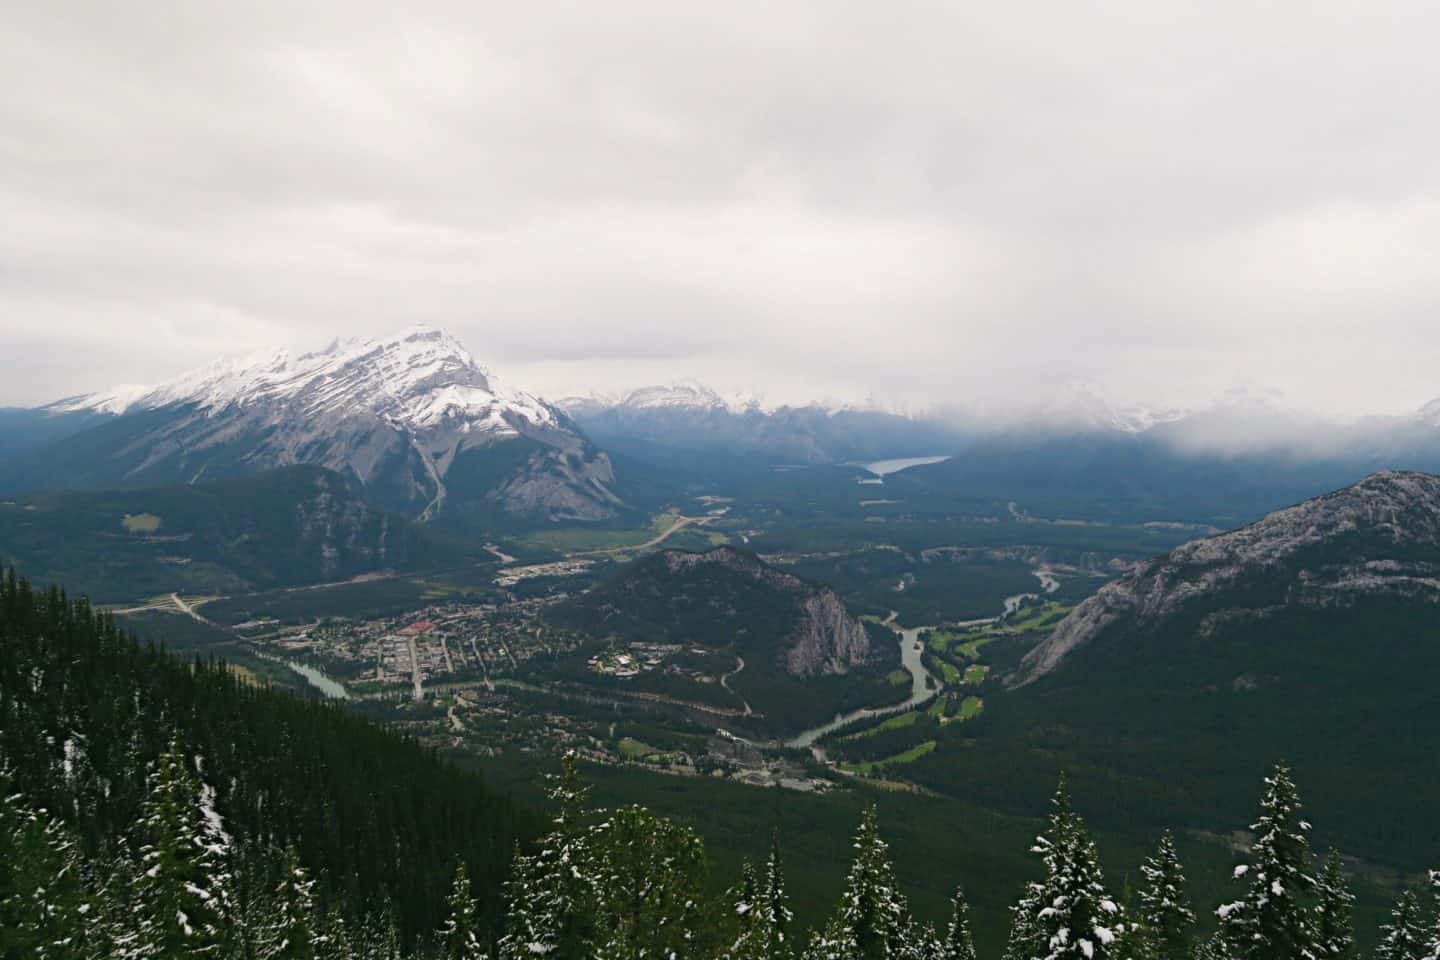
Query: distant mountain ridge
695,418
1379,537
413,418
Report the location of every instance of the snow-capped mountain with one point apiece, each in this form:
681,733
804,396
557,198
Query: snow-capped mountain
1079,406
695,418
413,418
673,396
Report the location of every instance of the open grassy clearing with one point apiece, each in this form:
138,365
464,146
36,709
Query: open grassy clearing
909,756
899,722
1039,617
141,522
971,707
976,673
580,539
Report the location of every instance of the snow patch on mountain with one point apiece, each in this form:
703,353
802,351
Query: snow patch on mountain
422,377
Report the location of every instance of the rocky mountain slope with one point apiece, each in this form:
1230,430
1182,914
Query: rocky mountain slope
413,418
1380,537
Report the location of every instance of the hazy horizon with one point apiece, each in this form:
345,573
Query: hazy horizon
932,207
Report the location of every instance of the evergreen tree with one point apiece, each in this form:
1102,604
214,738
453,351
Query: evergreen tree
293,932
631,882
957,944
1164,910
1068,914
335,941
1270,922
1334,914
873,922
43,903
1434,945
459,938
763,912
551,891
647,881
182,889
1403,938
379,937
1025,940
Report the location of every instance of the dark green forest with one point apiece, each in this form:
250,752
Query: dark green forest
154,807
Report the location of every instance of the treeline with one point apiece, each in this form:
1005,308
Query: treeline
379,821
626,885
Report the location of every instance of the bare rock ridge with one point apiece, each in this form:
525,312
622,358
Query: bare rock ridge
827,641
1380,536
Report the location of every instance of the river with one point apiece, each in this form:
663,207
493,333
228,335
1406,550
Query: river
883,468
923,687
921,690
330,688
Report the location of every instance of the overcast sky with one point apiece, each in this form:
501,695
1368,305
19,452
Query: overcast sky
924,203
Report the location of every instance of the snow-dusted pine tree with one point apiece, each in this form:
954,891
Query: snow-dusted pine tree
1271,922
292,932
763,913
1433,951
551,892
460,937
957,944
647,884
1334,913
43,903
183,888
873,922
1026,940
1165,918
1404,937
384,936
1069,914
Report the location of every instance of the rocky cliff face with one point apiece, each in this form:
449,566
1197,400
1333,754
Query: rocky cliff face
1380,536
828,641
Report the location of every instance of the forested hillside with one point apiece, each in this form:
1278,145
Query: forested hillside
296,525
154,808
93,723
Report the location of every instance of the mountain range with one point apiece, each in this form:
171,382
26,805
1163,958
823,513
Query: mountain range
428,433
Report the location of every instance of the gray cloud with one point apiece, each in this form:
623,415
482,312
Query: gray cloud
925,202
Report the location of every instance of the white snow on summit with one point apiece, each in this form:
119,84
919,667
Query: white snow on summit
419,378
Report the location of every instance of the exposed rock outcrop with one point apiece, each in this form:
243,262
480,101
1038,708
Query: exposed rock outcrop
1380,536
828,641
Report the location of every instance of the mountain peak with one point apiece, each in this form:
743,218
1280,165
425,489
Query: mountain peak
396,413
421,375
